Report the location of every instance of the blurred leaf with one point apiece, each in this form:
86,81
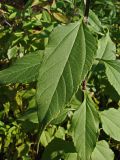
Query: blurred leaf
12,52
46,16
13,15
30,115
60,17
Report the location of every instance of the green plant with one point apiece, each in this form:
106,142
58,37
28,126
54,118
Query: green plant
66,89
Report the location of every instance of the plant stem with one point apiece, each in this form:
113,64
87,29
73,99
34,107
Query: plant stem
86,12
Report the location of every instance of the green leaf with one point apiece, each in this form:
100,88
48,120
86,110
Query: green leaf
84,128
23,70
45,138
102,151
113,73
106,48
61,117
62,68
29,115
60,17
111,92
46,16
111,123
60,133
94,22
12,52
56,148
91,51
71,156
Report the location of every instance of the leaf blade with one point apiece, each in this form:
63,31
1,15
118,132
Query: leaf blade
102,151
62,69
85,118
113,73
23,70
55,146
111,123
106,48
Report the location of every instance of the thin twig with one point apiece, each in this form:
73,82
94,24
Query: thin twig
86,12
84,85
6,22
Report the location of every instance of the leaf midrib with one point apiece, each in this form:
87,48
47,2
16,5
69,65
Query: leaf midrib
65,63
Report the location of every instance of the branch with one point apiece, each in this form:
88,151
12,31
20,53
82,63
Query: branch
86,13
84,85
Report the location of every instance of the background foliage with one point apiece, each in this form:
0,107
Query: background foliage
25,28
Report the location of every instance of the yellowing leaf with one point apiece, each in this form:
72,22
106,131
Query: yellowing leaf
60,17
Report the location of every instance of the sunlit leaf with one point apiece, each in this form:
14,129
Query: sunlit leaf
68,56
84,128
102,151
111,123
113,73
23,70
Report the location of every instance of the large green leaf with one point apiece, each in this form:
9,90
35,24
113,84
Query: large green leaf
23,70
106,48
85,124
113,73
111,123
62,68
102,151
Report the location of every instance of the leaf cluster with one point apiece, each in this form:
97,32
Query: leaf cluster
59,80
